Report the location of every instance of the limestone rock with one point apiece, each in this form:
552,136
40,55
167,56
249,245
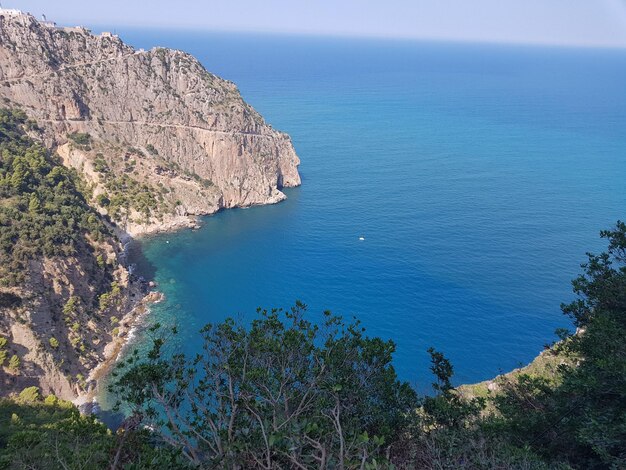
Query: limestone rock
183,120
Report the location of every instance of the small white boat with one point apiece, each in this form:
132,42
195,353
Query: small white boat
361,238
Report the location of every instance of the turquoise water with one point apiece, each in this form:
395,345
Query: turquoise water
478,176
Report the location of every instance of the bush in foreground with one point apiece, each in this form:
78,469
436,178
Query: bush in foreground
282,394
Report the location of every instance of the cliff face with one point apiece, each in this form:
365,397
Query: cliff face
183,127
54,324
64,294
155,139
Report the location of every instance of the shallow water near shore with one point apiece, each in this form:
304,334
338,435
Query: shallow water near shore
477,176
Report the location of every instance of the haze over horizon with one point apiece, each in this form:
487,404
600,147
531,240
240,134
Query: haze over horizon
601,23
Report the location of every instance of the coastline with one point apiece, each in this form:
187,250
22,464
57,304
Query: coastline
172,223
129,237
87,400
113,349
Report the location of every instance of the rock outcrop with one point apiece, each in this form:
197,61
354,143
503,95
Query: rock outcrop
184,128
156,140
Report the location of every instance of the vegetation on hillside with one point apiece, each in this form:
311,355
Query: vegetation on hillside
124,194
50,234
42,210
284,393
582,420
48,433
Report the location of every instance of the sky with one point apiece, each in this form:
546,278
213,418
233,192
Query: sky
558,22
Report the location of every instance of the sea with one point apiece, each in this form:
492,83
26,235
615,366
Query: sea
449,193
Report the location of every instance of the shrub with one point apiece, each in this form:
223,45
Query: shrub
71,306
102,200
51,400
151,150
293,393
80,138
29,395
14,363
101,262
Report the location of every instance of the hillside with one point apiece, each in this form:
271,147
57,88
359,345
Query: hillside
64,296
101,143
158,138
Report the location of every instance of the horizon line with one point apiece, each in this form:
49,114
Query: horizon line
339,35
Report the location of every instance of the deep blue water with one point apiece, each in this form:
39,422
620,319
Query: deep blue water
479,176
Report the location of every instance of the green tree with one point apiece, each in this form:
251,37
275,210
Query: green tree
14,363
52,435
582,420
280,394
42,209
34,206
448,408
29,395
71,306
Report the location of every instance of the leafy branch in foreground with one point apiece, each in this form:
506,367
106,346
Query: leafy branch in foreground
282,394
583,419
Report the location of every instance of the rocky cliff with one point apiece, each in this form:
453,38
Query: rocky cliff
64,294
183,136
155,140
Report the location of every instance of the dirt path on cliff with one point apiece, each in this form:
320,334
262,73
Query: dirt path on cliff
156,124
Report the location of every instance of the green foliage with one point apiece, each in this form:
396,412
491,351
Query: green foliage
111,298
100,164
71,306
151,150
52,435
101,262
42,211
54,343
80,138
125,193
284,393
448,408
51,400
29,395
582,420
464,449
103,201
281,394
14,363
3,352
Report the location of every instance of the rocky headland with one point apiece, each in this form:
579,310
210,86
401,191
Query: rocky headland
155,141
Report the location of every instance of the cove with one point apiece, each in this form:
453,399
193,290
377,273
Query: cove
477,175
